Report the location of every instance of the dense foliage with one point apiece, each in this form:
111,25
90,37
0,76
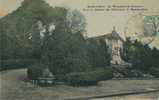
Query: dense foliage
89,77
63,50
98,53
35,71
66,52
16,27
16,63
141,56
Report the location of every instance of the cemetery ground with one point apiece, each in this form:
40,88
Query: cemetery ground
13,86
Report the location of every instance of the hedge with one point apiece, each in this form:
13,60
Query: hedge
89,78
155,71
35,71
15,63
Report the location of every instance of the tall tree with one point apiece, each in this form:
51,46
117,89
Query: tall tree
76,21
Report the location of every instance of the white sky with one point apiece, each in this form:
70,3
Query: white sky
99,23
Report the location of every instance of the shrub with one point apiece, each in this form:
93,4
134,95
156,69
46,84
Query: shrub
97,52
66,53
35,71
89,77
15,63
155,71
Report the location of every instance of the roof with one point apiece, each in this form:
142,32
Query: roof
111,36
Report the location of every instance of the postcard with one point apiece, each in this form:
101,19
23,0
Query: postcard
79,50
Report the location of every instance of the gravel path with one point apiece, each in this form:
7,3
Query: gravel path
14,87
148,96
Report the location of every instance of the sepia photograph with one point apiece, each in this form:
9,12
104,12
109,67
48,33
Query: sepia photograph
79,50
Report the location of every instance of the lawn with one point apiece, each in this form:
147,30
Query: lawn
15,87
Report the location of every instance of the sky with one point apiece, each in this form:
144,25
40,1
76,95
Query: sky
100,22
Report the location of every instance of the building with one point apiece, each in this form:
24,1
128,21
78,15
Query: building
115,45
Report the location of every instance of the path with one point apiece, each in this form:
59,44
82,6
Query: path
14,87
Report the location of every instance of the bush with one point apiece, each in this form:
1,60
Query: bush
66,53
88,78
97,52
35,71
155,71
15,63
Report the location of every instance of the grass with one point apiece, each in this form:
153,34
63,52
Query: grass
14,87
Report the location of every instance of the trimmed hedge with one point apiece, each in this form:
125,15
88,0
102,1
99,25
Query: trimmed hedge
89,78
155,71
15,63
35,71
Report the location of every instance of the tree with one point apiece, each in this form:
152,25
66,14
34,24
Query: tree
141,56
19,25
155,62
36,41
35,71
76,21
128,49
65,52
98,53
